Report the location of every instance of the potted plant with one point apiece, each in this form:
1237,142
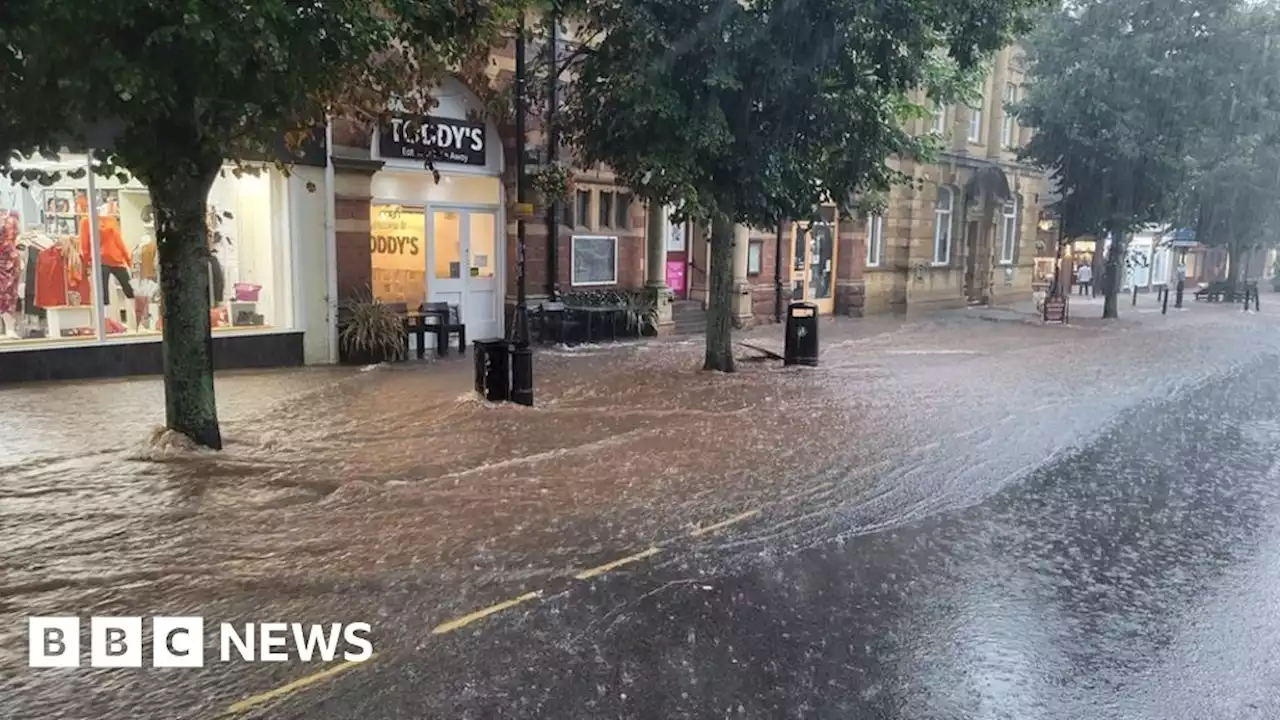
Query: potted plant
370,332
1275,274
641,313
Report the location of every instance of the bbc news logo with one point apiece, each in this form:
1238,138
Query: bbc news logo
179,642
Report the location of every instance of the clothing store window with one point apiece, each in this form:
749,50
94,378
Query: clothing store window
47,285
60,298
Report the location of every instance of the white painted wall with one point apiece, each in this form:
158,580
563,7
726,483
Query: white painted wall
310,264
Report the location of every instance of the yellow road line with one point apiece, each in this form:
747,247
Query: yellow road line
256,700
482,614
602,569
698,532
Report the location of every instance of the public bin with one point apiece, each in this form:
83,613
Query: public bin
493,369
801,346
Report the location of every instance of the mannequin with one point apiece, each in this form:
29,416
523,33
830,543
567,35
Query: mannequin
115,257
10,272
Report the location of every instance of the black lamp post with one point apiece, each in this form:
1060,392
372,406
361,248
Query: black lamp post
522,354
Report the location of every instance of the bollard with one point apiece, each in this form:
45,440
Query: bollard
1135,294
1177,300
801,346
493,369
1164,304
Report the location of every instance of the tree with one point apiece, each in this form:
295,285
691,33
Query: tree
168,90
754,111
1115,105
1235,168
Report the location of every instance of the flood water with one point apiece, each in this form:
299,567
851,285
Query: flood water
394,493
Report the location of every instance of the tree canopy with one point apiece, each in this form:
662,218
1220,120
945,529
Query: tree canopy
1140,110
757,111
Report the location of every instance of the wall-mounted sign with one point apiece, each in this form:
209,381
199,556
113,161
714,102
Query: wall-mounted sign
443,140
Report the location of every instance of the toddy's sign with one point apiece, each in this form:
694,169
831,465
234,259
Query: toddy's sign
432,138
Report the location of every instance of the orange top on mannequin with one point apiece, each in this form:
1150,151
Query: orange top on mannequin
114,253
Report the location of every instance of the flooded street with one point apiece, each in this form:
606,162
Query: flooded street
950,518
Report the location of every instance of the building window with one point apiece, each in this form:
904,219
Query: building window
1009,132
940,120
595,260
1009,232
581,208
51,235
604,215
942,213
875,239
975,125
755,256
622,219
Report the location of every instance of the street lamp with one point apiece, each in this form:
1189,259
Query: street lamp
521,354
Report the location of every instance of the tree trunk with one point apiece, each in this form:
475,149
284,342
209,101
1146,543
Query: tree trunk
1235,263
1111,278
720,308
179,195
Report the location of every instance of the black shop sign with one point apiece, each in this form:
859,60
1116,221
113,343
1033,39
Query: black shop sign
443,140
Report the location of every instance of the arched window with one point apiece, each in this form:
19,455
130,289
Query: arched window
1009,231
942,211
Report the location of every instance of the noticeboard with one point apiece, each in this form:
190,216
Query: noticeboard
1055,309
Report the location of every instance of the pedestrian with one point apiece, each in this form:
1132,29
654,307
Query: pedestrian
1084,278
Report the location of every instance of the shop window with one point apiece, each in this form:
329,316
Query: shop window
398,254
50,236
605,210
755,256
48,292
942,219
595,260
581,208
622,216
1009,232
875,239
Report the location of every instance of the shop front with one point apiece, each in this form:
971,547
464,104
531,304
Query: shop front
812,246
79,273
440,241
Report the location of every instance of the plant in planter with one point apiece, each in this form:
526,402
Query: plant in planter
641,312
370,332
1275,275
552,182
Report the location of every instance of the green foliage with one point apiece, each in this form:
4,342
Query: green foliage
371,329
760,110
1235,167
156,84
1115,97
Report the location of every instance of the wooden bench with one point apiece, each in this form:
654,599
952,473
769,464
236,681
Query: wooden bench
1226,291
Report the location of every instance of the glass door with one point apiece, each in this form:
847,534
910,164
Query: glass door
463,259
813,253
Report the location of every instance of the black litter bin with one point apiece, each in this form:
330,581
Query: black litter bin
801,346
493,369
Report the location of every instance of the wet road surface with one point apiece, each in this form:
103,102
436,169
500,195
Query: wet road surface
949,519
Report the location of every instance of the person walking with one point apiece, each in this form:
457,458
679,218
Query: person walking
1084,278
